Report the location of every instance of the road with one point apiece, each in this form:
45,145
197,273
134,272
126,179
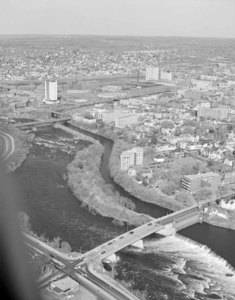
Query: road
82,269
85,275
7,145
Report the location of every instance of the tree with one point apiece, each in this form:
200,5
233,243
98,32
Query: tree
185,198
191,123
24,221
168,187
189,130
142,142
65,246
154,139
167,124
203,194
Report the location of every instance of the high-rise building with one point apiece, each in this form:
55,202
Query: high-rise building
50,90
166,75
152,73
133,157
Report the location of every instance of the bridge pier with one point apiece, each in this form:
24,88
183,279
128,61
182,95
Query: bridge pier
139,244
112,258
200,220
168,230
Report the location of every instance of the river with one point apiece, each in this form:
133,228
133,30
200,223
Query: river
168,268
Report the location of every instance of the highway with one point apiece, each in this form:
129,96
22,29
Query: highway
7,145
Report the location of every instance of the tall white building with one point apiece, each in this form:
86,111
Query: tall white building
152,73
50,90
133,157
166,75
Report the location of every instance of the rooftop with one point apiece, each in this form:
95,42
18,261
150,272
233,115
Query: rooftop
63,285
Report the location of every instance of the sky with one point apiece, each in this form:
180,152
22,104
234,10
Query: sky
202,18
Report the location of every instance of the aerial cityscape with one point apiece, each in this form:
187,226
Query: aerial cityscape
118,159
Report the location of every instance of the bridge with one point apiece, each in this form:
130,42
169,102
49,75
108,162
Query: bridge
167,225
44,123
82,269
56,114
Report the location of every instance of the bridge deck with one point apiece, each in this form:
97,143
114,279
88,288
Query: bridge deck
36,123
181,219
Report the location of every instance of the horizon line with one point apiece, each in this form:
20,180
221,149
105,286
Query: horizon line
113,35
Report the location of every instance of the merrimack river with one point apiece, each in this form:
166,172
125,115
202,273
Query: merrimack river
197,263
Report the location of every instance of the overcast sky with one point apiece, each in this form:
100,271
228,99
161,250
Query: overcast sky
206,18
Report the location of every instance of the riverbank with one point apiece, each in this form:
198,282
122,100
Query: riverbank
143,193
61,248
215,216
153,196
54,211
23,141
87,184
220,217
76,133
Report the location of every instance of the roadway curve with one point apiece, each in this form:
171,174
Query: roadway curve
8,145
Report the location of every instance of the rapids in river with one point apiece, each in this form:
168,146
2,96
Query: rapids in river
179,267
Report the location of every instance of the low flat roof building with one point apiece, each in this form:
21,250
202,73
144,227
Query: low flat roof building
191,183
64,286
194,183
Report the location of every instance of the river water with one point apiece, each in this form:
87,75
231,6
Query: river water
177,267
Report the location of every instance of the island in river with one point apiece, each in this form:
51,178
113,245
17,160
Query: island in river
215,215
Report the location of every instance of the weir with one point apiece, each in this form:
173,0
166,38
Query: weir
166,226
169,229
